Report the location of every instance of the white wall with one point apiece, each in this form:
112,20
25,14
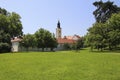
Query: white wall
15,46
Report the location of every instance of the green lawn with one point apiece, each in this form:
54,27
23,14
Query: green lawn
63,65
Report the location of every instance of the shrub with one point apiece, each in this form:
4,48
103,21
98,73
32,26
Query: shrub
5,47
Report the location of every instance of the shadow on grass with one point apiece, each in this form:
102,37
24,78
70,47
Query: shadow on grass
106,51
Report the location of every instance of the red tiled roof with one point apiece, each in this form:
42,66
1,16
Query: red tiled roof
69,37
72,37
62,41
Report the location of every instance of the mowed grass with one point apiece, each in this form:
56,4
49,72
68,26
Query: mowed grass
62,65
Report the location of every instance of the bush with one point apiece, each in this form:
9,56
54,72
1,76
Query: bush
5,47
67,46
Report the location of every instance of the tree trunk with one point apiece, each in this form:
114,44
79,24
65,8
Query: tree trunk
42,49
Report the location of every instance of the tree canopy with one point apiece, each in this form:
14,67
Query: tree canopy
104,10
10,26
40,39
45,39
105,32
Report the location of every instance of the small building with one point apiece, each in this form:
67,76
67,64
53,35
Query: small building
15,44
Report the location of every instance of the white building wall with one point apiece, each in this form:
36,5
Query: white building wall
15,46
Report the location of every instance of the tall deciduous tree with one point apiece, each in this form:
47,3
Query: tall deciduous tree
10,26
104,10
97,35
40,35
45,39
4,34
28,41
105,34
3,11
114,30
15,25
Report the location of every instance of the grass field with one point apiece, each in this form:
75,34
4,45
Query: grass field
63,65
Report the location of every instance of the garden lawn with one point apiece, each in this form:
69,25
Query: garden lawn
61,65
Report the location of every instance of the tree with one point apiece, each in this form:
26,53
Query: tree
4,35
102,33
114,30
104,10
97,36
40,34
28,40
106,34
45,39
3,11
15,26
51,41
67,46
80,43
10,26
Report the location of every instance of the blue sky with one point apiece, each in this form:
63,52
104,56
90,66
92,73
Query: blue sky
75,15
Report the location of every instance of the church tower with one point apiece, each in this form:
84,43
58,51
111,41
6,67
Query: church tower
58,30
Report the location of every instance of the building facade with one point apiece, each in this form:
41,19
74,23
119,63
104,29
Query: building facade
15,44
66,39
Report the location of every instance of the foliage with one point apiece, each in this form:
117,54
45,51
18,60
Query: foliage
10,26
15,26
104,10
40,34
63,65
106,31
107,34
114,30
40,39
3,11
5,47
80,43
28,40
67,46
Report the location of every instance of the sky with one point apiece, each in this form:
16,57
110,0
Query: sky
75,16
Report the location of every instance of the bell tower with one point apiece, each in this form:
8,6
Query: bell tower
58,30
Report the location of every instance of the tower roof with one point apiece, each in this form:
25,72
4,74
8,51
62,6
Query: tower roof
58,24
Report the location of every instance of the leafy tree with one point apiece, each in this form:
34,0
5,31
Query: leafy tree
4,35
45,39
15,26
97,36
104,10
28,40
50,41
114,31
80,43
67,46
3,11
4,47
40,34
107,34
10,26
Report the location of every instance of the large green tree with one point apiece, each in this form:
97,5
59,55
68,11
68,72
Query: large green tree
28,41
15,25
10,26
114,31
45,39
107,34
4,35
97,36
3,11
104,10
